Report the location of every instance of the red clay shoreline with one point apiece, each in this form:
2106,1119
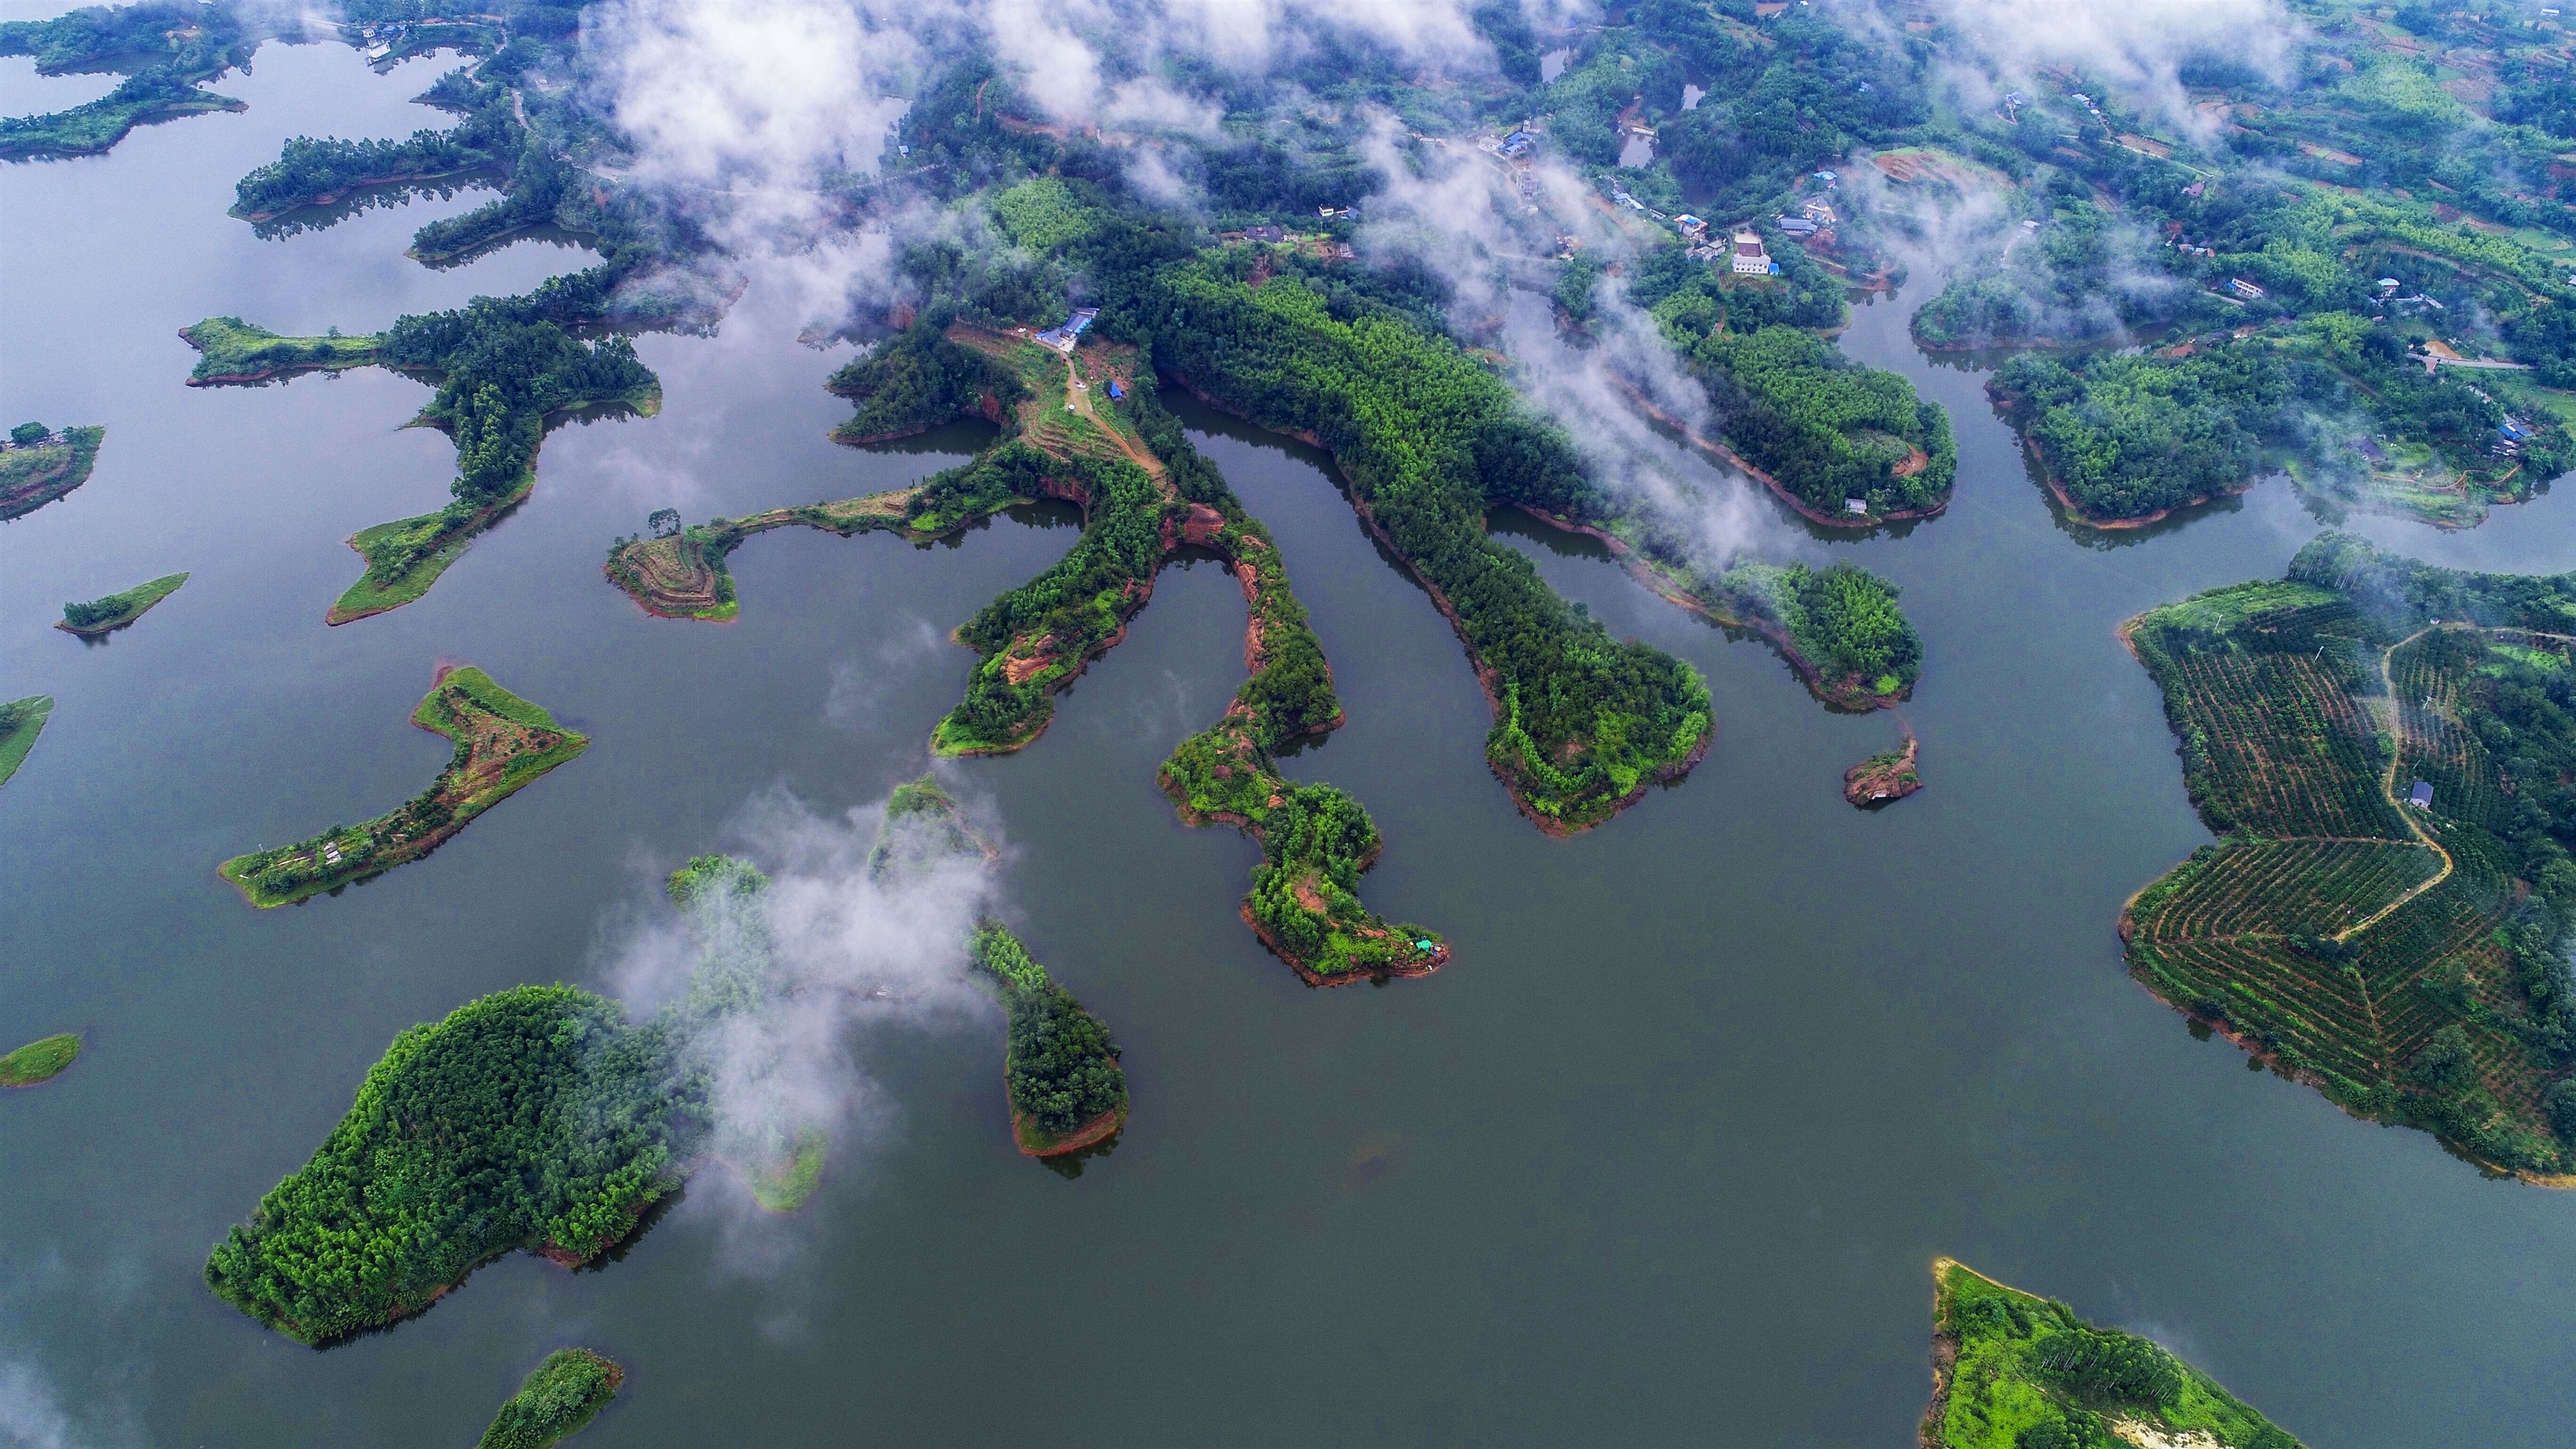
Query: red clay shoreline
1033,1143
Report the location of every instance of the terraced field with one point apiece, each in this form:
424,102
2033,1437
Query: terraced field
2335,931
683,575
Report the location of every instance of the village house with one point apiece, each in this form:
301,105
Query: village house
1750,259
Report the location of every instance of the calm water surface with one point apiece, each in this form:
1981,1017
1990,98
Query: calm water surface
1662,1158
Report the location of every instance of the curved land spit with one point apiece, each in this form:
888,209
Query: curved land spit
503,743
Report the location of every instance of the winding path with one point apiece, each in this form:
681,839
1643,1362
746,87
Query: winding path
2388,791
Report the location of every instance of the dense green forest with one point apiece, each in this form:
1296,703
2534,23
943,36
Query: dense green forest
117,610
555,1401
532,1118
2407,959
918,380
1430,442
1062,1068
1843,620
2015,1371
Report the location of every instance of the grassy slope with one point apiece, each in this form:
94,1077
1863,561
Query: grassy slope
245,871
30,478
132,604
39,1061
2004,1351
21,720
232,351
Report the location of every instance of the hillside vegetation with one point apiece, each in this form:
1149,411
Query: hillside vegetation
2014,1371
2408,962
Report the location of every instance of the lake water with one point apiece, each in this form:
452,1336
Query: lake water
1662,1158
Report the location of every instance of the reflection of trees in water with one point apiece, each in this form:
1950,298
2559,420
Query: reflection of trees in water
368,198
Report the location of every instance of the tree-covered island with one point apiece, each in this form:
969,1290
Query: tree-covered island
21,720
557,1400
39,465
2386,748
502,744
1067,1090
535,1118
114,612
2011,1370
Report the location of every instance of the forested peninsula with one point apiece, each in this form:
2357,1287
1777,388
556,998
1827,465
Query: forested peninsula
1146,494
505,370
502,744
2385,748
2014,1371
166,50
38,465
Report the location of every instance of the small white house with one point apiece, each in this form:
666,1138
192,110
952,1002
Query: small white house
1750,260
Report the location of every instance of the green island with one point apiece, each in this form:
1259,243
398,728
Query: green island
2011,1370
535,1118
1067,1091
21,720
502,743
1061,1073
114,612
2385,747
39,1061
2359,273
556,1401
167,48
39,465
